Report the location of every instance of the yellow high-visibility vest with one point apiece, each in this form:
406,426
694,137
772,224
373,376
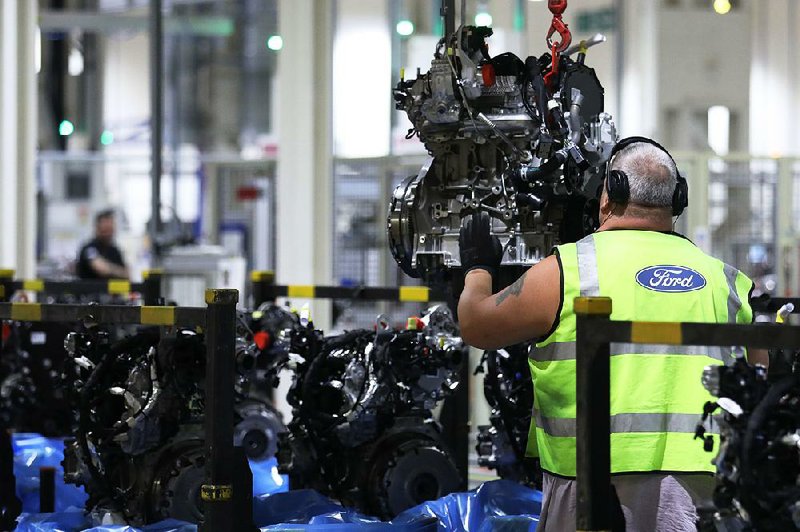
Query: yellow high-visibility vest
656,394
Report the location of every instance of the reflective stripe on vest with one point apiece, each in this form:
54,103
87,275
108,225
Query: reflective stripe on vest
734,302
567,351
587,267
659,422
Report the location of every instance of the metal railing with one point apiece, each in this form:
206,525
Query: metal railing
595,332
150,288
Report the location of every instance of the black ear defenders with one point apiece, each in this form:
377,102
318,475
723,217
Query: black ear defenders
619,190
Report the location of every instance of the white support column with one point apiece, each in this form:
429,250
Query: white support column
774,78
639,112
27,15
17,136
305,167
8,133
362,78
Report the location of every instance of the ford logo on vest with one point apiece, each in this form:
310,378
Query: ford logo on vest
670,279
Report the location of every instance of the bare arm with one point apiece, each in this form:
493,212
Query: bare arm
527,309
105,268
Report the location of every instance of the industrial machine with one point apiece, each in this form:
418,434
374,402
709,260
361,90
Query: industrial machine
138,446
363,429
32,359
508,389
758,460
523,140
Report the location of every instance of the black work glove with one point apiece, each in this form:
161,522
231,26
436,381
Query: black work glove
479,247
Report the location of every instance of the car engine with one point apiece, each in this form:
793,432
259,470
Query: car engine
139,440
363,429
508,389
758,460
524,141
31,361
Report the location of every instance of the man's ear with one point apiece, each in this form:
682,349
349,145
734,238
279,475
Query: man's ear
606,206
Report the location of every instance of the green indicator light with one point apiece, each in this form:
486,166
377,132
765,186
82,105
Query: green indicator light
66,128
405,28
275,43
106,138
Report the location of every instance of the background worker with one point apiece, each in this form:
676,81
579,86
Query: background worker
100,258
652,274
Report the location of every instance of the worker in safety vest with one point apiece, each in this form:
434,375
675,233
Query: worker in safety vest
651,274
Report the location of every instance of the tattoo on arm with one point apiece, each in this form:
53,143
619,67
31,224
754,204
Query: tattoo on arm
513,290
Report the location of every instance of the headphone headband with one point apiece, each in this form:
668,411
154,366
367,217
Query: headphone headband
617,184
627,141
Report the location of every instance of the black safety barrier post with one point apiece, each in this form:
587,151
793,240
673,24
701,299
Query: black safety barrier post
217,492
47,489
10,505
6,290
152,287
242,492
454,418
260,282
593,416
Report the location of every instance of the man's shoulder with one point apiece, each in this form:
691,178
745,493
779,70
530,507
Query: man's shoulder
89,248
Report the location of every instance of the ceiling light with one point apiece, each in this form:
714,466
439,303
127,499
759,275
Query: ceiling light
483,19
722,6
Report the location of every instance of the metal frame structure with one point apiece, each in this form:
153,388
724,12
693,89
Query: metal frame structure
150,288
595,332
228,490
264,290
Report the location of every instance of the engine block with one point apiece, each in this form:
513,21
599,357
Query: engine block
504,138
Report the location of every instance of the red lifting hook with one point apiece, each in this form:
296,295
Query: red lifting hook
563,32
557,7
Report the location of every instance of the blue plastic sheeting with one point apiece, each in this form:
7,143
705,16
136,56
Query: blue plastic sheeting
266,479
69,521
301,507
498,506
420,524
474,511
487,509
32,451
74,520
308,510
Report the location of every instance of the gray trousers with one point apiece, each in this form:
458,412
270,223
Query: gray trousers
650,502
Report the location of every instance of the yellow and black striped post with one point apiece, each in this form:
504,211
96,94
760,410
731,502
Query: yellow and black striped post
593,447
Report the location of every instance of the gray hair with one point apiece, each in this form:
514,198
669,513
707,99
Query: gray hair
652,174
